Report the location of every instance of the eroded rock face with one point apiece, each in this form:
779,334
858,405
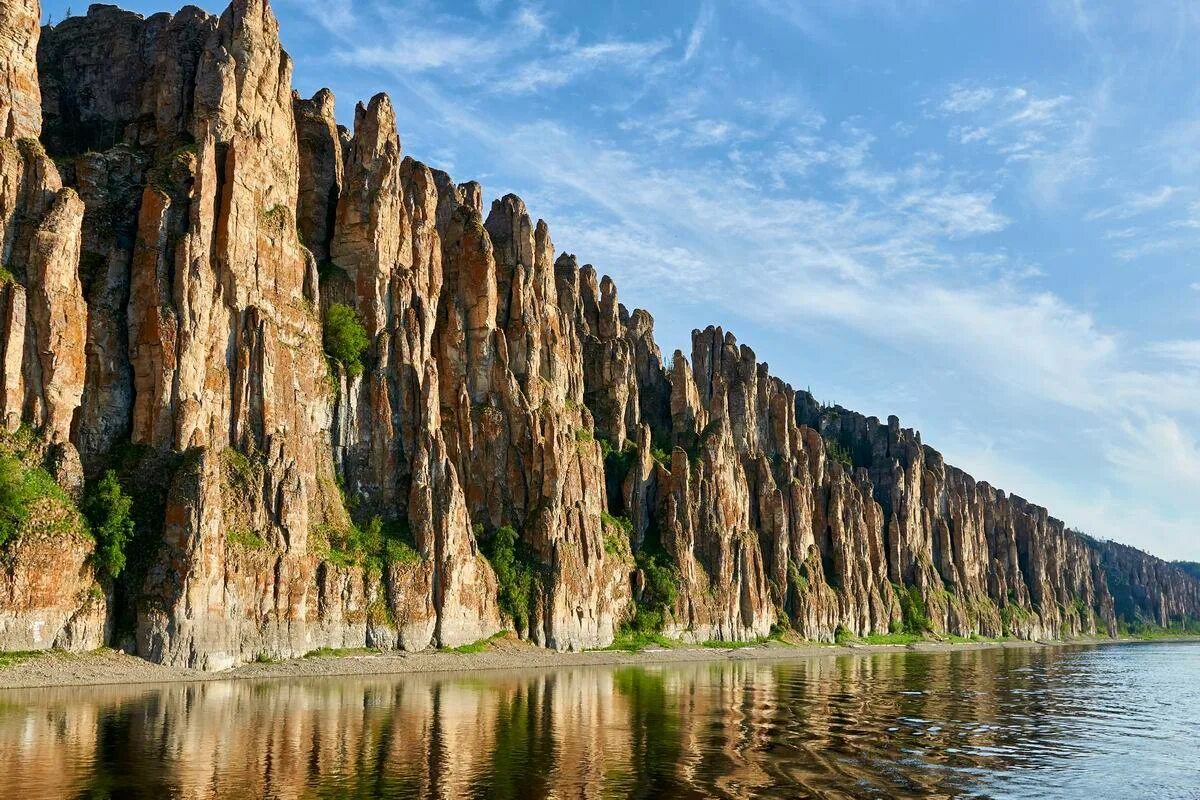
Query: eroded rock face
166,299
20,94
48,593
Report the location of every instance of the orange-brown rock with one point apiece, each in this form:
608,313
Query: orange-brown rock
20,94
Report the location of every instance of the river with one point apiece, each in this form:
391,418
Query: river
1116,721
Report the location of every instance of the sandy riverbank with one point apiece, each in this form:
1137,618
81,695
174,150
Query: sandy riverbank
106,667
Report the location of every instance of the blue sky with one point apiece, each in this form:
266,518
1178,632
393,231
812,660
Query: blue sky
982,217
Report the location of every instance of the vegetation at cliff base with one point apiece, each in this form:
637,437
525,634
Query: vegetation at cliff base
659,589
913,614
628,640
109,512
480,646
345,337
517,573
12,658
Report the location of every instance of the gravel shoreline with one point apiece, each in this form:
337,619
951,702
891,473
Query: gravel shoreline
107,667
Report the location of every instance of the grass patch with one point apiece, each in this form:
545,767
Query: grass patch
479,646
629,640
243,537
717,644
892,638
341,652
15,657
20,489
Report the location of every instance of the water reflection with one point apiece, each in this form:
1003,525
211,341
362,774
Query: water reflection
1103,722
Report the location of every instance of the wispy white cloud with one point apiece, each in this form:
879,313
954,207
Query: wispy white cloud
1182,351
966,100
699,30
515,55
1135,205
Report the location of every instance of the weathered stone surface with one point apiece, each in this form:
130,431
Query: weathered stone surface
59,315
48,595
172,298
321,171
20,94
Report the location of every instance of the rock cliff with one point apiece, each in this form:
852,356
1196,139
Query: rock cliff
352,406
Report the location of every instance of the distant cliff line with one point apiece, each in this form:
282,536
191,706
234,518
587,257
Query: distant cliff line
271,386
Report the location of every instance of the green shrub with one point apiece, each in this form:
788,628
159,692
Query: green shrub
109,512
617,463
345,337
912,610
839,453
583,435
798,577
375,545
15,497
661,587
20,488
617,532
517,572
246,538
631,640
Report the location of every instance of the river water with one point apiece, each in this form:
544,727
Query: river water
1118,721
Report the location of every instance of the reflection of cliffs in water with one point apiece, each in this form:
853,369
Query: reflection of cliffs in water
902,725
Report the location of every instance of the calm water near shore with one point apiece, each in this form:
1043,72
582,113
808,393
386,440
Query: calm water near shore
1077,722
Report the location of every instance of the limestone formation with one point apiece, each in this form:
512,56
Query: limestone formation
169,280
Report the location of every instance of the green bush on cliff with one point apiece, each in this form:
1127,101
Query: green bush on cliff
109,511
659,590
517,574
345,337
839,453
912,610
375,545
20,488
15,497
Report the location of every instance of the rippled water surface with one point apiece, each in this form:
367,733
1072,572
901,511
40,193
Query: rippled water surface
1103,722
